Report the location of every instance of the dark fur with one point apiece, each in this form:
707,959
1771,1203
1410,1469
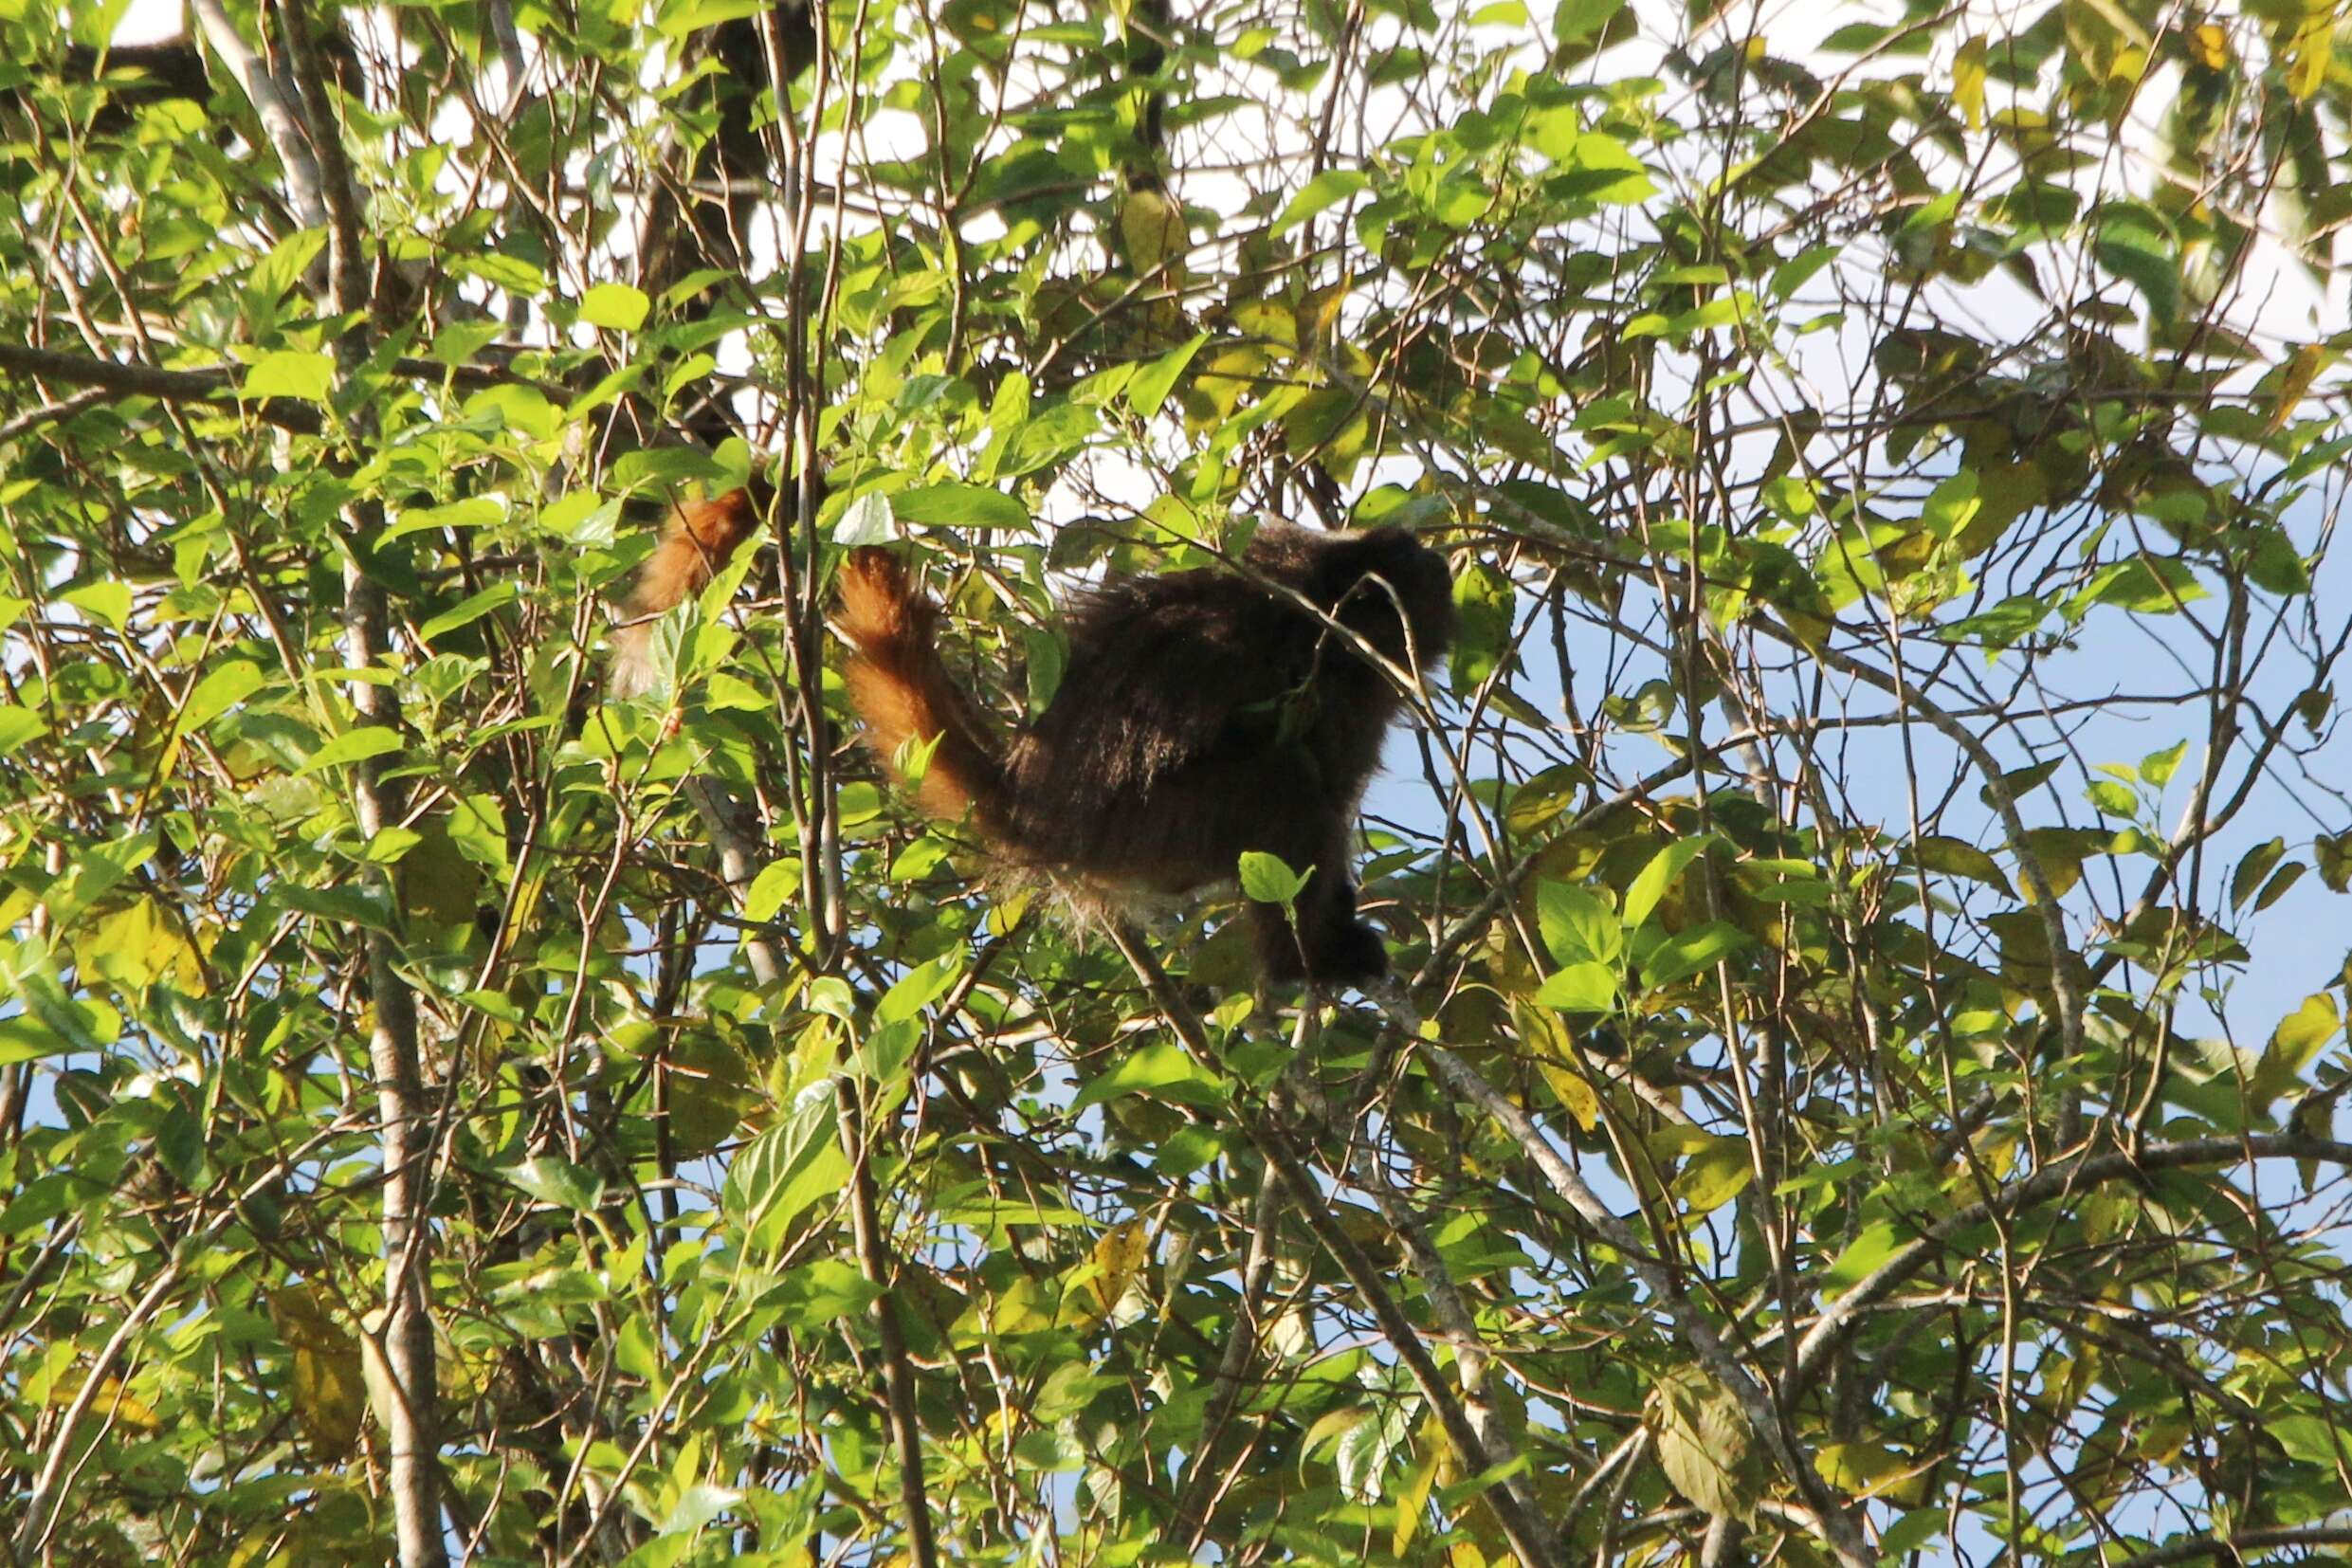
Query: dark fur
1200,716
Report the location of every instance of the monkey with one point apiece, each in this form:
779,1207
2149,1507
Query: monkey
1202,714
696,539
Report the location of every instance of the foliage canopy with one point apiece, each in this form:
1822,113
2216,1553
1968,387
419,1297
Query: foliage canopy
1868,870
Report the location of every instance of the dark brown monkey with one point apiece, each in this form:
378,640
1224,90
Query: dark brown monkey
1201,715
696,541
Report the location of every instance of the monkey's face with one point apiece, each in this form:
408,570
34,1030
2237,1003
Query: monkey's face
1373,577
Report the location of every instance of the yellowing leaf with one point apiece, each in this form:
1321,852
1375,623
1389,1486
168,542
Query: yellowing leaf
1152,229
330,1383
1704,1443
115,1402
1968,83
2310,50
2294,379
1715,1175
1119,1253
1858,1469
137,945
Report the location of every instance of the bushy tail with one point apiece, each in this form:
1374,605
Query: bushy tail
902,692
696,541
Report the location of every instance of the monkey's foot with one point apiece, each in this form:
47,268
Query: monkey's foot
1350,955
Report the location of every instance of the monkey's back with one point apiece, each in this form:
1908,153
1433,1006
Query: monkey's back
1200,715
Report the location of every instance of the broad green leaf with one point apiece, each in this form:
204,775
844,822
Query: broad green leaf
286,373
1878,1241
955,505
352,745
107,602
2156,768
918,988
473,607
1664,870
1715,1175
1685,955
1325,190
1267,879
558,1181
1159,1070
1705,1445
1577,924
19,727
1152,384
1958,858
1580,988
614,305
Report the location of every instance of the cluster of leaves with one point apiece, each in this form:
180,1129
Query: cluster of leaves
1871,850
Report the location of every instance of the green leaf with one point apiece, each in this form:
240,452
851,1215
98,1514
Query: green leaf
2298,1041
1485,601
1715,1175
107,601
286,374
1159,1070
1958,858
955,505
2256,865
504,591
220,690
1598,168
2138,246
1578,925
1952,506
353,745
1580,988
473,512
1267,879
18,727
1664,870
558,1182
2278,886
1152,384
2161,585
616,306
866,520
764,1190
478,831
919,987
1575,20
1325,190
1705,1445
2112,797
1878,1241
1699,948
2156,768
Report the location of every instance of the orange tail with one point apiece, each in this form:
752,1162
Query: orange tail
696,541
902,692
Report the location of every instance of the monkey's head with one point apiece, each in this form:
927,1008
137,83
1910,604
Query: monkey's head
1365,580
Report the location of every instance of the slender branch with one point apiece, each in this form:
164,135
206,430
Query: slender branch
2062,1178
2063,989
1526,1535
740,857
2234,1547
281,122
38,1517
1844,1538
320,184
